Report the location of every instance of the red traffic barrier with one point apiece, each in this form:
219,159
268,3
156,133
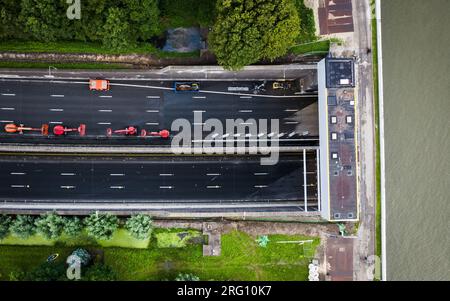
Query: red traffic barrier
61,130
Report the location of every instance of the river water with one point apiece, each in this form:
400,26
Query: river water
416,51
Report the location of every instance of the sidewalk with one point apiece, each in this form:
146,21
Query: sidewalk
212,73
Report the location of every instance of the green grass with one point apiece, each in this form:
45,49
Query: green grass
121,238
35,65
377,134
318,47
88,48
24,259
241,259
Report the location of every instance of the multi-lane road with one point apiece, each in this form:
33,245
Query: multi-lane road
152,106
160,180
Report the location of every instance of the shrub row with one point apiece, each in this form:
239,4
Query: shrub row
51,226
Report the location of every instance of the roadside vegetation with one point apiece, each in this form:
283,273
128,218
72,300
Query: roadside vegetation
132,249
242,32
377,131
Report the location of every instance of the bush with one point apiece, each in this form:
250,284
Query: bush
5,222
187,277
48,272
73,226
50,225
101,226
139,226
99,272
23,226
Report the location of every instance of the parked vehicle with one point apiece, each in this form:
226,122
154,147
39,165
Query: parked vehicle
186,87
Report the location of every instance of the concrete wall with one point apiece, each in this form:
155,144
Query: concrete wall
323,134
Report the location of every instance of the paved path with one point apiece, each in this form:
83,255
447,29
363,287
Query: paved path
365,245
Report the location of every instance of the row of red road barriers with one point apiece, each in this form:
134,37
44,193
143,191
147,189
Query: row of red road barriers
61,130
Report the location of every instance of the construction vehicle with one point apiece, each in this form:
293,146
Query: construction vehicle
128,131
14,128
186,87
99,84
163,134
60,130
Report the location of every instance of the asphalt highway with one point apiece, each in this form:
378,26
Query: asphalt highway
152,106
157,179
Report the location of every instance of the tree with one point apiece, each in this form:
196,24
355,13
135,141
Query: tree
139,226
144,19
116,31
23,226
99,272
50,225
247,31
187,277
5,222
101,226
73,226
45,20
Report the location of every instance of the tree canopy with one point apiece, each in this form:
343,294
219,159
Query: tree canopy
139,226
247,31
50,225
5,222
101,226
23,226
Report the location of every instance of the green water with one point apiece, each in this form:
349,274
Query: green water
416,51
